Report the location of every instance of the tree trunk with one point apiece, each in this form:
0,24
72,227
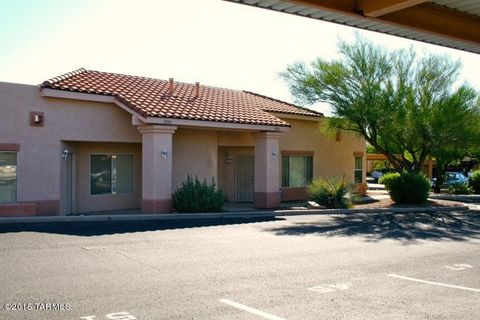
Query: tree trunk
439,175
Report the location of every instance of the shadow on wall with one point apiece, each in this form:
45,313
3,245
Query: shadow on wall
98,228
460,226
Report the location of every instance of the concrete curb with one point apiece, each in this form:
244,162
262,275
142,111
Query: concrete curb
455,197
223,215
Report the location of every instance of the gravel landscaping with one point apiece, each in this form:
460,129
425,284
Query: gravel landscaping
388,203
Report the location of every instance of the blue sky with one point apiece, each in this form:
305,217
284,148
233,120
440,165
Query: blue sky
215,42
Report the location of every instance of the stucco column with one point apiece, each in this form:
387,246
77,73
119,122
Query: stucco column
156,168
267,169
430,168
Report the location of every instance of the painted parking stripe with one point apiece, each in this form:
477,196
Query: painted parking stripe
433,283
458,266
250,310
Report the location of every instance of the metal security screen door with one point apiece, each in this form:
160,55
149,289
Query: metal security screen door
244,178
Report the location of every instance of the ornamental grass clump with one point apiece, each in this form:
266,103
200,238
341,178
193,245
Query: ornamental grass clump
195,196
331,193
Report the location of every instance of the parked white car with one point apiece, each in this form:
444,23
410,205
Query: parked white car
377,174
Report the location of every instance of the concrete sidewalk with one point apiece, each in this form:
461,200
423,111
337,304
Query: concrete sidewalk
456,197
222,215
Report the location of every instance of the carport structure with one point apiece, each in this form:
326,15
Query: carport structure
449,23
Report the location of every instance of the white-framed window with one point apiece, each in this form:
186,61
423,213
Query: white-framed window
111,173
358,170
8,177
297,171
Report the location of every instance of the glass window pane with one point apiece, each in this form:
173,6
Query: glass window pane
297,171
8,177
100,174
124,174
358,163
358,176
285,171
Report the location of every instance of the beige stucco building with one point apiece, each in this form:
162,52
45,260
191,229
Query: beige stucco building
92,141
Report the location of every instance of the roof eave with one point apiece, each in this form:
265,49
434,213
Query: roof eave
297,116
420,20
211,124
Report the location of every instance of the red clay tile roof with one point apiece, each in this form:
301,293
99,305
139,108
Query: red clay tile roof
279,106
150,98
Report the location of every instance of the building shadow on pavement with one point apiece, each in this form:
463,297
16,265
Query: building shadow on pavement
464,225
98,228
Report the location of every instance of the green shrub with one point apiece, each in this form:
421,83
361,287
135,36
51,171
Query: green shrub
409,187
196,196
387,179
459,188
474,181
330,193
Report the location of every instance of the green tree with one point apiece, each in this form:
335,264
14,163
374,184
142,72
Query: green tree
406,106
461,129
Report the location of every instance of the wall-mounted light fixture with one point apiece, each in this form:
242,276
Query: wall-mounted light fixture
65,154
274,155
36,119
164,154
228,158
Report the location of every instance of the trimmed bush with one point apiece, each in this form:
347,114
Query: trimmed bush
195,196
459,188
474,181
409,187
330,193
387,179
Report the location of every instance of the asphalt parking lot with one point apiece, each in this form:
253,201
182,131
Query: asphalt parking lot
376,266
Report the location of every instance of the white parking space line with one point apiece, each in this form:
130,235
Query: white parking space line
433,283
330,287
250,310
458,267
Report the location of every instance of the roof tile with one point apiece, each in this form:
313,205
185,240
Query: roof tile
151,98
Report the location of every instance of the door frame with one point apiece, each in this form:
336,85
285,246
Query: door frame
69,178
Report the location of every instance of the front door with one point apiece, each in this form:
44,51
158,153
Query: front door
244,178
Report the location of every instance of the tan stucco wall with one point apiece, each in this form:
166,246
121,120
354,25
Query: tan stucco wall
84,201
41,168
195,154
39,159
235,139
331,158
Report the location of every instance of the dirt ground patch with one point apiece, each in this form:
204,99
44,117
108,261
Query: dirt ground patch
388,203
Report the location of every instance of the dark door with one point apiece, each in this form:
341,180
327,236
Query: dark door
244,178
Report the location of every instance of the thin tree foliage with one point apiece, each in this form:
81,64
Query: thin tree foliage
407,106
